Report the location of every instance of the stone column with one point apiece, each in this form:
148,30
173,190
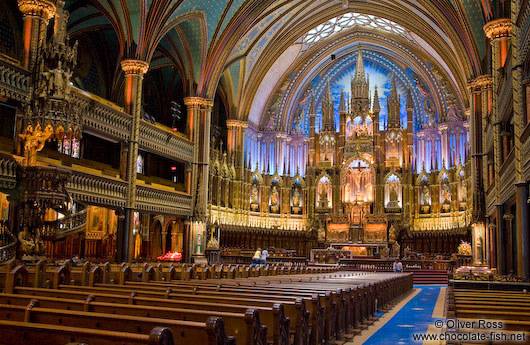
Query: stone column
519,118
509,243
36,13
134,71
492,261
480,87
499,32
199,114
501,249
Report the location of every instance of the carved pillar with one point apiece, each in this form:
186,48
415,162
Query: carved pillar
509,243
36,13
519,118
199,115
134,71
480,89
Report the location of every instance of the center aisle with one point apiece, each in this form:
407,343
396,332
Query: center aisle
414,317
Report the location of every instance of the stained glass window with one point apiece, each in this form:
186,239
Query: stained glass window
348,20
69,147
140,164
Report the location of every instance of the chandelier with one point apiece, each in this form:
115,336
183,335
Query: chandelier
49,113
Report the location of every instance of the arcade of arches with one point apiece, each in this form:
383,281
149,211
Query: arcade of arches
130,129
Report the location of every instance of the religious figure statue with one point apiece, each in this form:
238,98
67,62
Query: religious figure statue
34,140
464,192
296,197
393,194
426,196
274,196
446,193
396,249
26,242
31,245
406,252
254,194
392,234
137,244
385,252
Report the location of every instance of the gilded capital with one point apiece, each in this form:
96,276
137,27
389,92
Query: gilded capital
482,82
39,8
499,28
137,67
198,101
233,124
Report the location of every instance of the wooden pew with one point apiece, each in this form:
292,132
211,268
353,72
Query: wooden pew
27,333
246,327
270,314
183,331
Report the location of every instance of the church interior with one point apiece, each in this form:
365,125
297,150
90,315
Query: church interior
283,172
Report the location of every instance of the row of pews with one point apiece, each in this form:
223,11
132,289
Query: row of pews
486,311
190,304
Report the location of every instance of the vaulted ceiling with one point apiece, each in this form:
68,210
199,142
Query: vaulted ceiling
236,44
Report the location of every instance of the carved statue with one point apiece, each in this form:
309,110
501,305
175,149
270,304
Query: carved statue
296,197
396,249
274,196
446,193
406,252
26,242
393,193
31,245
392,234
34,140
384,252
324,195
137,244
426,195
464,192
254,194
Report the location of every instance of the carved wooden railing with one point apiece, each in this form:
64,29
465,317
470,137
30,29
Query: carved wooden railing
151,199
97,189
69,225
14,81
102,116
106,190
165,142
387,265
8,243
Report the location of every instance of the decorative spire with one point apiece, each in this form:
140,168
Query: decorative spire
393,92
376,106
359,69
393,106
342,104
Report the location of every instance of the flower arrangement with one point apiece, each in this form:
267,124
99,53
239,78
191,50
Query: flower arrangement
464,248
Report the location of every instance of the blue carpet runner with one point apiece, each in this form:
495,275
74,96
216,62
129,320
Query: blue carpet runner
414,317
